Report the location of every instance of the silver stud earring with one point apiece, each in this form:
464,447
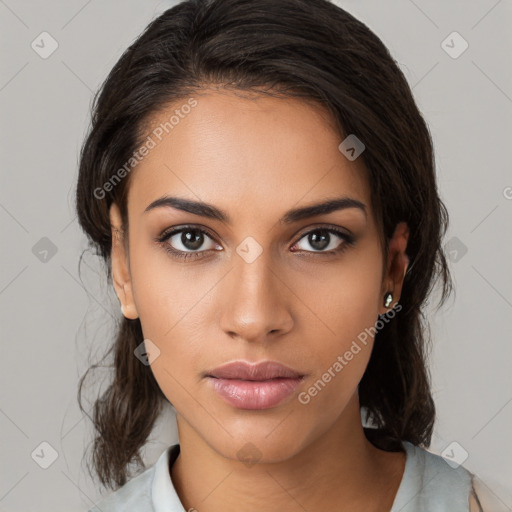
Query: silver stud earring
388,299
122,310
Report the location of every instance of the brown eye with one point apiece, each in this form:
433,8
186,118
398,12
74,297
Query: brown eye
192,240
186,242
324,240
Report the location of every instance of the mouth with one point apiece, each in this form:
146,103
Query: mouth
254,386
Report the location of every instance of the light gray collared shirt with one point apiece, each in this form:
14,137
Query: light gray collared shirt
429,484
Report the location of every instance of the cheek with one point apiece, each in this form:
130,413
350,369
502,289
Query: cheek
172,300
166,293
345,302
345,296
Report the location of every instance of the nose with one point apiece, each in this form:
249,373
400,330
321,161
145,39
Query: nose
257,301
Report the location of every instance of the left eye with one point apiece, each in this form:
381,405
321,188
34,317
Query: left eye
324,240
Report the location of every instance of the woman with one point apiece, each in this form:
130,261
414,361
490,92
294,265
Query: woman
262,188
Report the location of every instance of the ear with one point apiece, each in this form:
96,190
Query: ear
120,265
396,266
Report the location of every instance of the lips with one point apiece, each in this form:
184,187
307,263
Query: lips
254,386
265,370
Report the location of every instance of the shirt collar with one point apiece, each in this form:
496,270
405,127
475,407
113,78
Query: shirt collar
163,494
166,499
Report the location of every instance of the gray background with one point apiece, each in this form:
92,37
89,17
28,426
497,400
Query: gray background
52,322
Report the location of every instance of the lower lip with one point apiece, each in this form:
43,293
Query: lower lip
255,394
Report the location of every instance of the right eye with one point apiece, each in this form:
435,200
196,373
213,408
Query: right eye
185,242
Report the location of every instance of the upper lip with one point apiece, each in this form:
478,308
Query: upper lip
264,370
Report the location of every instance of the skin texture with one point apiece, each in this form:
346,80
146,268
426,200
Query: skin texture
256,158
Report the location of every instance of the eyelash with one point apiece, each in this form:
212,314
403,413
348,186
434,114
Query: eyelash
349,241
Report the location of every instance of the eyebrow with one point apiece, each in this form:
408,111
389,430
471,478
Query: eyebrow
212,212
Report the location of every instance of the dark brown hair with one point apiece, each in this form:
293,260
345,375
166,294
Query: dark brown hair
297,48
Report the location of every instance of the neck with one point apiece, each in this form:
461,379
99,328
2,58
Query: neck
338,467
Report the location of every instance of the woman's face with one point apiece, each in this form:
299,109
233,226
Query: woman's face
262,284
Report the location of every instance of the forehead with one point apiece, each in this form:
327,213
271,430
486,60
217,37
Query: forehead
257,155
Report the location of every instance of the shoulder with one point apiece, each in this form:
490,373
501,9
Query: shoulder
134,495
432,483
482,498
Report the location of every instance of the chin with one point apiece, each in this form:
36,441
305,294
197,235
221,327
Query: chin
256,446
